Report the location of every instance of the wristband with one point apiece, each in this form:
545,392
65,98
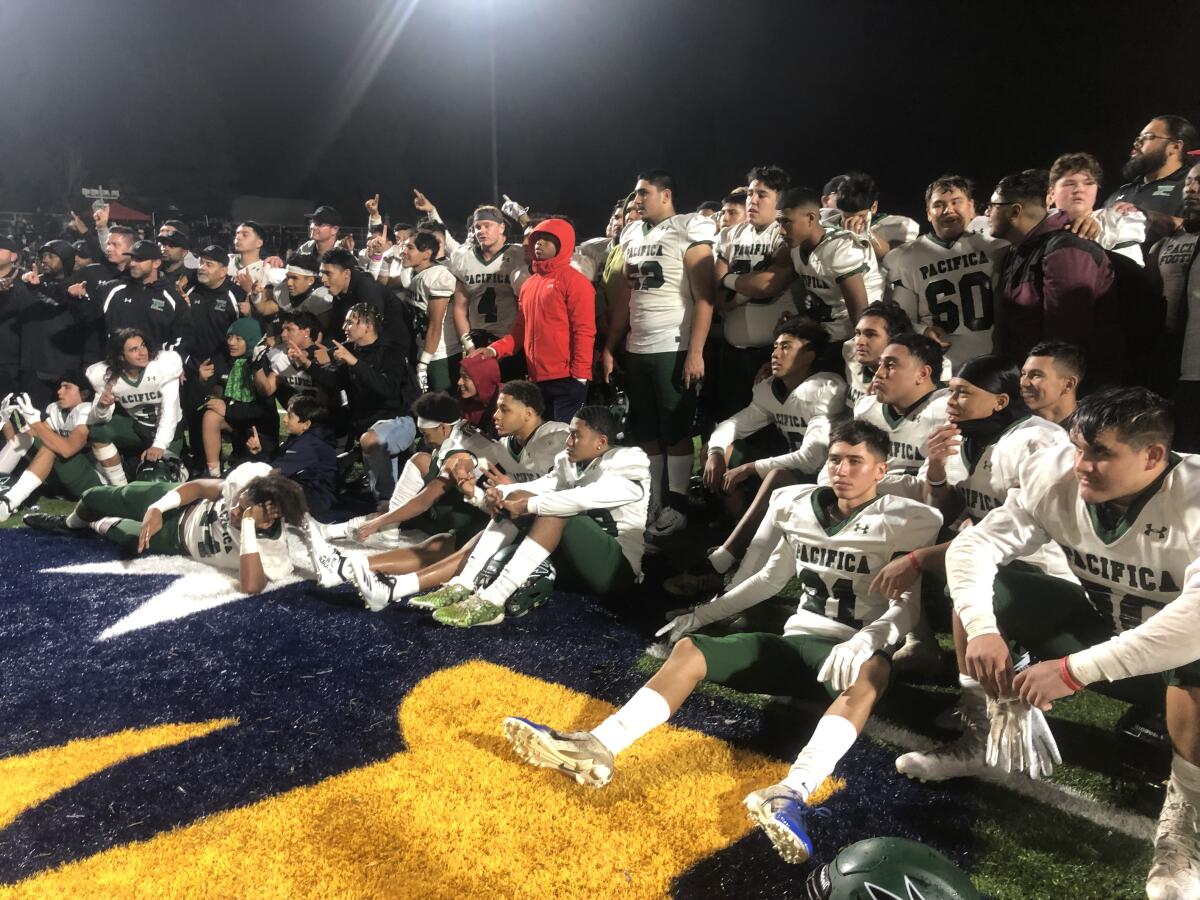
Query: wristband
425,358
1064,672
467,342
929,481
249,536
376,257
911,556
167,502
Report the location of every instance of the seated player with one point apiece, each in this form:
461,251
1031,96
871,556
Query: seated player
874,330
1122,507
58,441
526,450
217,522
144,383
833,539
588,516
1050,380
235,408
799,402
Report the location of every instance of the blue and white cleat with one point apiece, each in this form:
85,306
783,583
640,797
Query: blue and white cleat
577,754
783,815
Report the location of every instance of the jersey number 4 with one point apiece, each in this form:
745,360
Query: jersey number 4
487,306
975,301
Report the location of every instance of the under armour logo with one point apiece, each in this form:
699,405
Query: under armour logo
861,529
1151,531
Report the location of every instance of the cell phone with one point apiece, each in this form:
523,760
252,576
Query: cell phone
17,420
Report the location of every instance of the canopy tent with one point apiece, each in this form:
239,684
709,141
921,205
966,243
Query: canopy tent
119,212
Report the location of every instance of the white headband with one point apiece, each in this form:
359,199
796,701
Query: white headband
425,424
297,270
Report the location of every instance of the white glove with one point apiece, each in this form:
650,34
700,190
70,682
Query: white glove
512,208
423,377
678,627
6,405
279,360
1019,739
260,350
23,404
844,662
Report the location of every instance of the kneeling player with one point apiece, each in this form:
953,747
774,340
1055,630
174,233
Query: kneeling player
588,515
59,439
216,522
833,539
1122,507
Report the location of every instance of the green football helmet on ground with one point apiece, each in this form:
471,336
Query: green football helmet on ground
889,868
168,468
533,593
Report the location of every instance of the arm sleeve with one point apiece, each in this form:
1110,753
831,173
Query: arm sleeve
743,422
897,621
581,324
1168,639
543,485
606,492
762,585
973,557
168,416
808,457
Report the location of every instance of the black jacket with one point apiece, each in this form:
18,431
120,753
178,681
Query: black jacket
376,387
210,312
155,308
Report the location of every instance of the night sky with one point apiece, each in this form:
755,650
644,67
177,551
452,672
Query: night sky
199,101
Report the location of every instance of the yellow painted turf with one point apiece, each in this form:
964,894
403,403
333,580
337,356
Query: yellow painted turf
456,814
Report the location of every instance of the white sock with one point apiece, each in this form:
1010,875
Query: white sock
1186,776
101,526
408,485
833,736
114,475
499,533
679,474
721,560
527,557
13,452
74,521
214,471
645,711
19,492
405,584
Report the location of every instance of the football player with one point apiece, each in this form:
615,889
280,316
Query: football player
430,291
57,439
1050,378
857,210
144,383
587,516
833,539
833,263
662,315
873,331
1121,506
944,279
235,524
489,272
748,325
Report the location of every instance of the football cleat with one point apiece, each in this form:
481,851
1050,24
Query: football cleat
577,754
328,562
960,758
669,522
1175,874
377,589
446,595
783,815
468,613
691,584
51,523
6,511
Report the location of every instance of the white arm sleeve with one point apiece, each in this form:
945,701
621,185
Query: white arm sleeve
897,622
607,492
741,423
808,457
763,584
168,415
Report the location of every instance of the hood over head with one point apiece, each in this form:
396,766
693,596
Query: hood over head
562,232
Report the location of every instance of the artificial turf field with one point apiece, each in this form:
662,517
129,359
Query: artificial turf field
161,736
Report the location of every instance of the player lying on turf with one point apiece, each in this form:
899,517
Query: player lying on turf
232,524
833,540
588,516
526,450
59,441
1123,509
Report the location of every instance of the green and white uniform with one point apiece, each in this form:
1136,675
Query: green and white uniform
859,377
909,433
745,248
801,415
491,286
435,283
839,255
534,458
1139,605
75,474
835,562
950,285
150,404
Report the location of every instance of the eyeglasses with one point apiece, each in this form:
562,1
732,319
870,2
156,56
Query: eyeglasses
996,203
1146,138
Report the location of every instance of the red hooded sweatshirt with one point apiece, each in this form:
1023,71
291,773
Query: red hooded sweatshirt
556,313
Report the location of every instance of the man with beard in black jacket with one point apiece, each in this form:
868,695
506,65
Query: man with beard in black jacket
52,341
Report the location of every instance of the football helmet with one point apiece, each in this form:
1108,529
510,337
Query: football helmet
889,868
168,468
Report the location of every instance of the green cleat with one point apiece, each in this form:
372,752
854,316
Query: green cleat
472,611
446,595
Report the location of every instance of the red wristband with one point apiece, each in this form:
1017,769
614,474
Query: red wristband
912,558
1068,678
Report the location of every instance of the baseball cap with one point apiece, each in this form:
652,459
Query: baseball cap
325,215
143,251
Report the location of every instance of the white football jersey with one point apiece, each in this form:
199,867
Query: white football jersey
534,458
152,401
1173,257
859,376
951,286
436,282
1131,563
1121,232
891,229
834,561
63,423
801,415
660,302
746,248
298,380
590,256
491,286
910,432
839,255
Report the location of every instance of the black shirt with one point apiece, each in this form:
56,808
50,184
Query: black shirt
1163,195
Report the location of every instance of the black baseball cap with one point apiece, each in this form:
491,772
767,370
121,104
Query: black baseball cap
325,215
215,253
9,243
143,251
175,239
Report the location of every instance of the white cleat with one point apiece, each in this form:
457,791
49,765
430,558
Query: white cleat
329,563
577,754
960,758
1175,874
669,521
377,590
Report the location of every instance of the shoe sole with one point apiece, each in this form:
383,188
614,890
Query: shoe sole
536,747
925,777
493,621
785,842
420,602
